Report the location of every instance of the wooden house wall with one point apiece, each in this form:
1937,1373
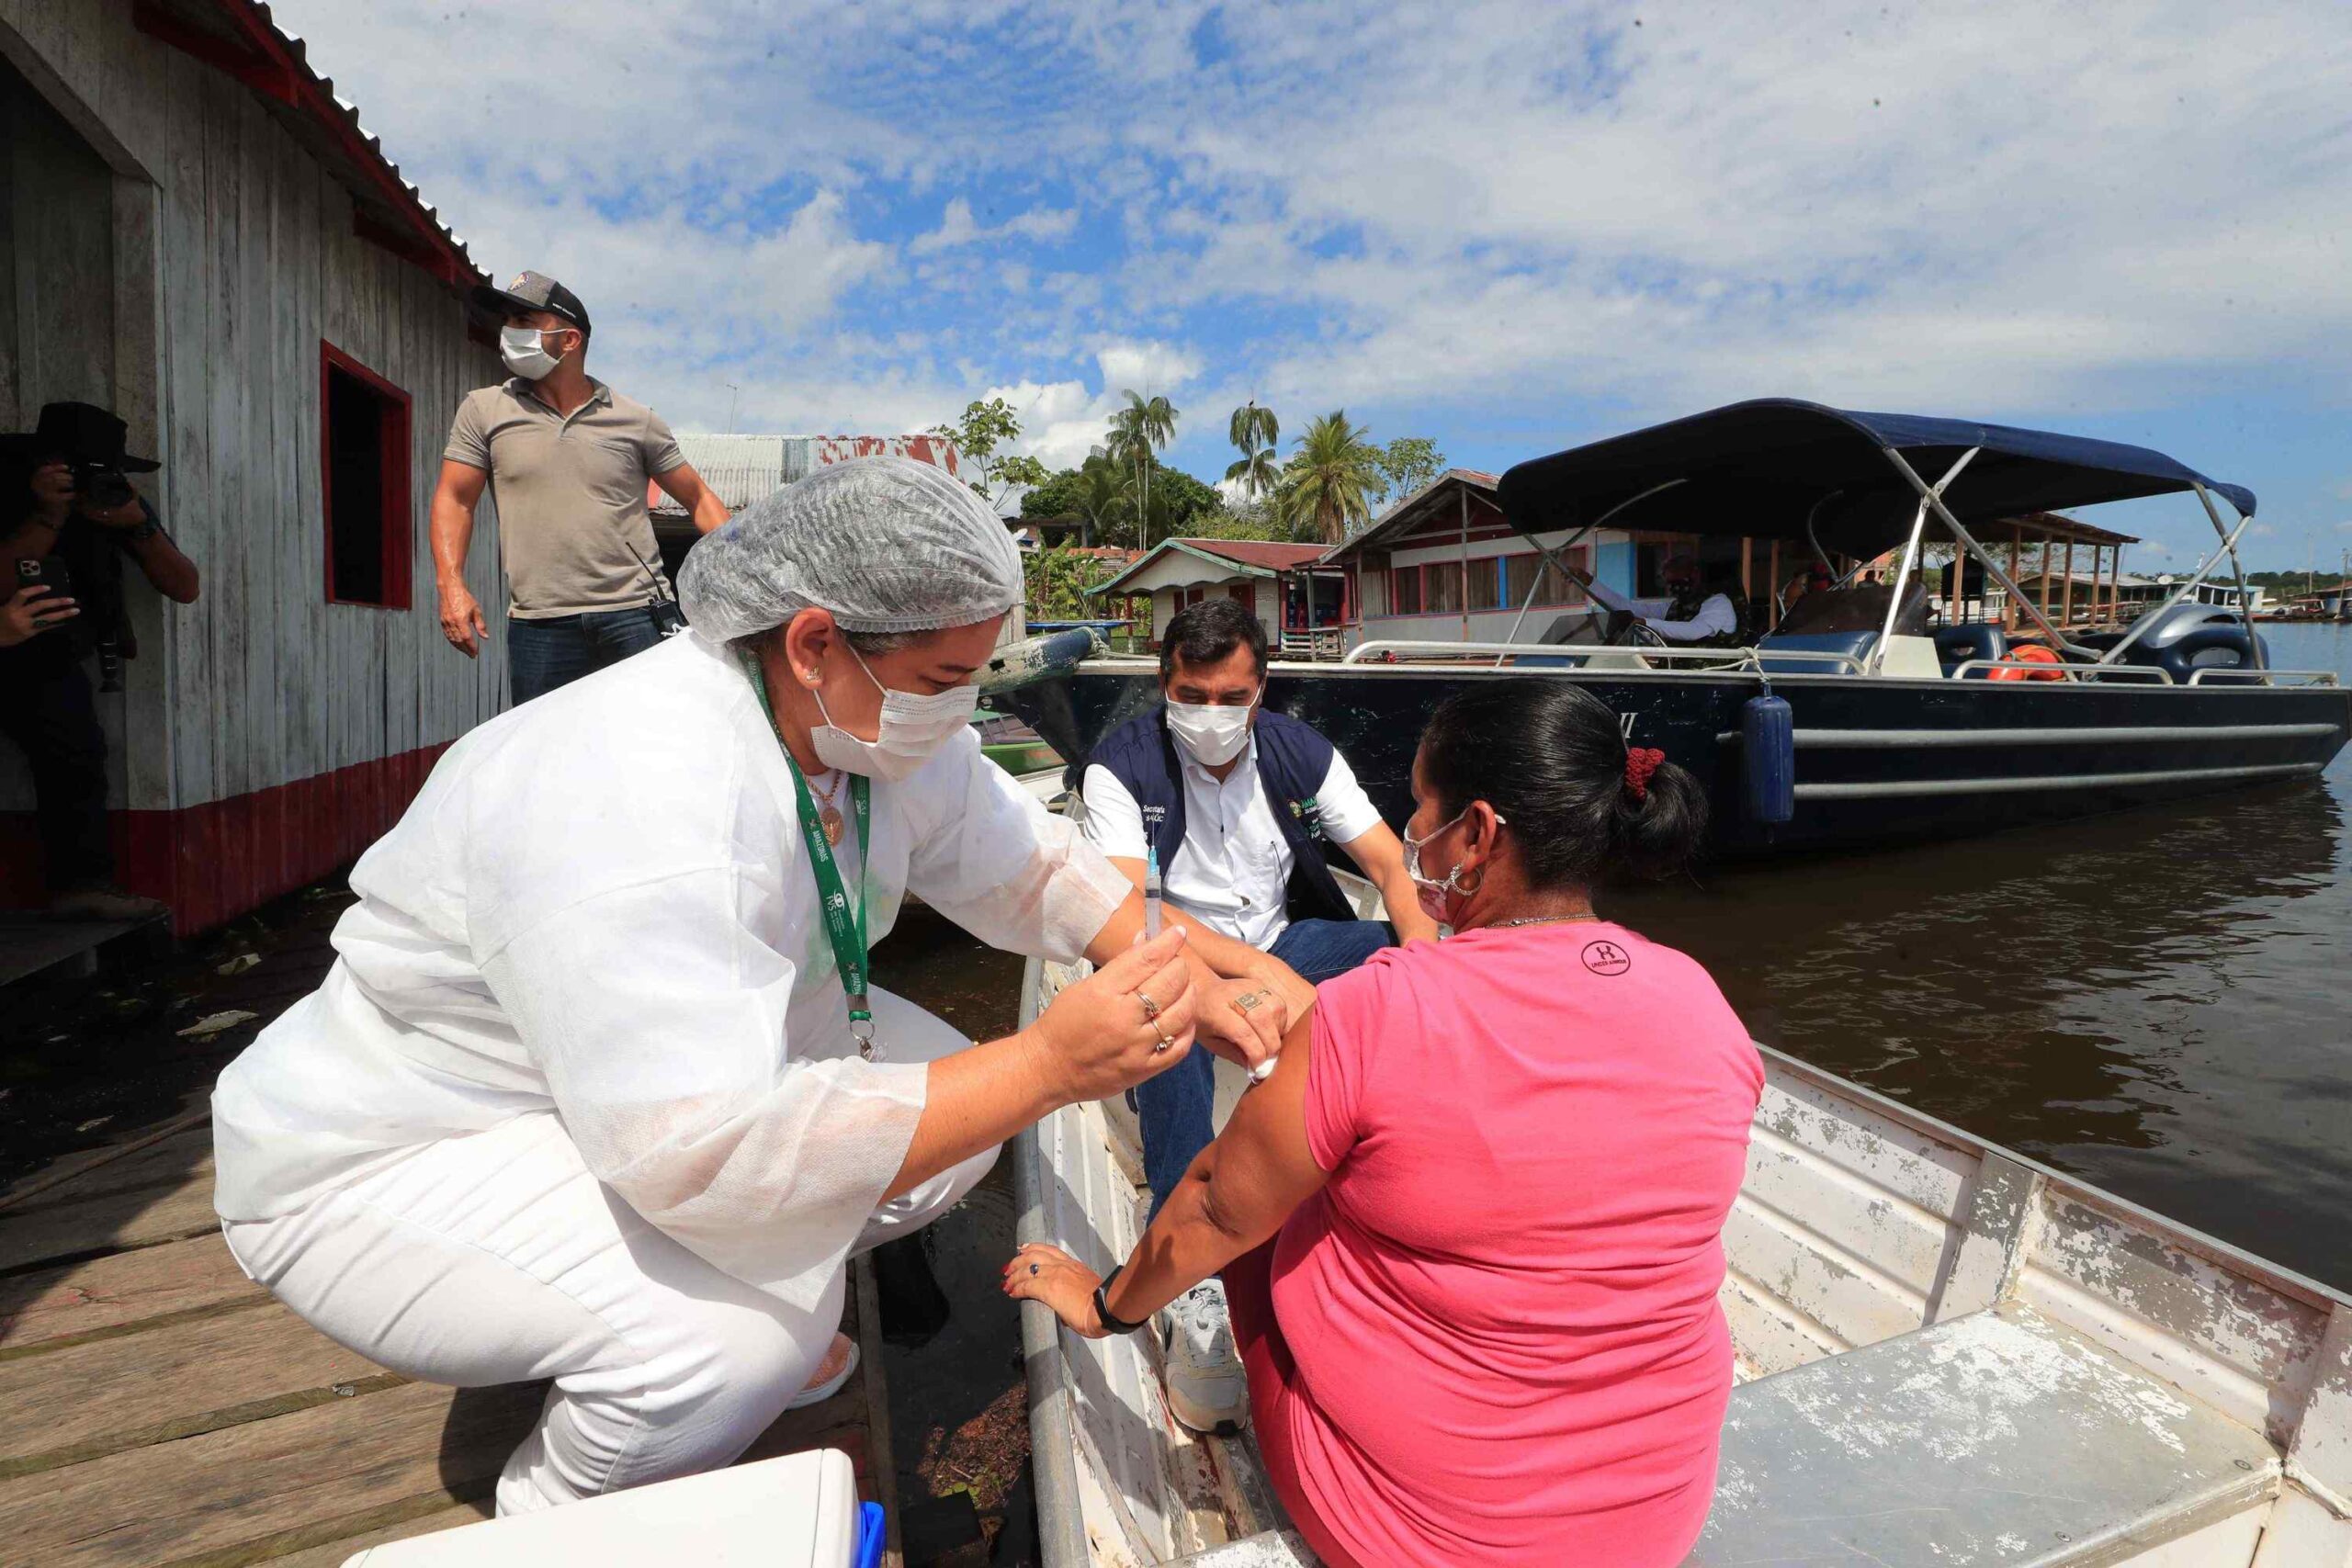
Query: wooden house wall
266,736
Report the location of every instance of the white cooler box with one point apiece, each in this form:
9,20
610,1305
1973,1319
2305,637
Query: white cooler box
800,1511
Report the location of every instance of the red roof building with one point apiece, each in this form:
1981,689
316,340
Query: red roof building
1297,598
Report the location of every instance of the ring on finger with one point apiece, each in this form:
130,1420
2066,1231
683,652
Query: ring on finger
1165,1038
1250,1001
1151,1007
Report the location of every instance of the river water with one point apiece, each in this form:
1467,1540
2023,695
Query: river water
2159,1002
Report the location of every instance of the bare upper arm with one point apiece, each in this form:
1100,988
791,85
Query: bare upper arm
461,482
681,484
1375,850
1130,868
1262,1166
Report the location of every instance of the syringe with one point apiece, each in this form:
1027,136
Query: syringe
1151,890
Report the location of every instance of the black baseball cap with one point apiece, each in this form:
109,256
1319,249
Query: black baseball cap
532,291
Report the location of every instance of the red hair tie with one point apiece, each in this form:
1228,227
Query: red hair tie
1640,762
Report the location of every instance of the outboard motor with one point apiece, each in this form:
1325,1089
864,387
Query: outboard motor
2188,638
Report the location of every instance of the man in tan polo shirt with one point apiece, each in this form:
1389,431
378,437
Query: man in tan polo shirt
567,458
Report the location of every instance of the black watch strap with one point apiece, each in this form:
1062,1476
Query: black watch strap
1102,1306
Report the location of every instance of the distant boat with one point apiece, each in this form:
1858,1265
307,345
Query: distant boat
1901,730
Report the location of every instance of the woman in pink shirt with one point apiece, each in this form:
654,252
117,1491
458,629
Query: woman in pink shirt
1471,1227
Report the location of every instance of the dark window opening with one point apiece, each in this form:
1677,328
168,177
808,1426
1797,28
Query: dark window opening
364,480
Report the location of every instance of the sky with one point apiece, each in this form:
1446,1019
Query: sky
1510,227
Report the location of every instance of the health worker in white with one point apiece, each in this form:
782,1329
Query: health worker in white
597,1089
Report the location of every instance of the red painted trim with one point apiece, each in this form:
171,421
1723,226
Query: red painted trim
213,862
457,267
271,78
392,465
384,236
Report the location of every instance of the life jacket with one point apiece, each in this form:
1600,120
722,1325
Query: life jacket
1293,762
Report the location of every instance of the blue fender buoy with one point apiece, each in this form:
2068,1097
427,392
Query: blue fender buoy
1768,759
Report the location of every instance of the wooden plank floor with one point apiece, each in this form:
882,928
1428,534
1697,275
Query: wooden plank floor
157,1407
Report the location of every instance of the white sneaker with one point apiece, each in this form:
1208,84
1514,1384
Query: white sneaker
1206,1390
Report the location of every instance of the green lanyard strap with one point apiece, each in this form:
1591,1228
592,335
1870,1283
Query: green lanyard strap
847,934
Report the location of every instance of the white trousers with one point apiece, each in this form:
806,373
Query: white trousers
498,1259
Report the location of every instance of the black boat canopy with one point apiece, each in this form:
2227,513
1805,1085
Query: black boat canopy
1761,469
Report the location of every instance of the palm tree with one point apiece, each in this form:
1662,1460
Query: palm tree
1102,496
1327,487
1255,434
1138,432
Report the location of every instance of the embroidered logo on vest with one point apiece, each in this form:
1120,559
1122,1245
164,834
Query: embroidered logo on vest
1310,815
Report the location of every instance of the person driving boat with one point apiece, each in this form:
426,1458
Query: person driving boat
1697,611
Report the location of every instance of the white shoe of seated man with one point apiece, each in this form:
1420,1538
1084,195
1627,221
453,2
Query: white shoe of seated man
1206,1390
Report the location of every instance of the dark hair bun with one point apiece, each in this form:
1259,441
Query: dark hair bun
1551,758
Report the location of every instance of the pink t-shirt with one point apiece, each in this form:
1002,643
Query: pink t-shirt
1502,1305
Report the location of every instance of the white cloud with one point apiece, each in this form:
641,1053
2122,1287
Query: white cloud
957,226
1150,368
1529,220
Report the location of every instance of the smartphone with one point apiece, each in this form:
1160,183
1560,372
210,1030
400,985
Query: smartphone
49,572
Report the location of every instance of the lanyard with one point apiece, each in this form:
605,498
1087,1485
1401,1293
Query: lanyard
848,938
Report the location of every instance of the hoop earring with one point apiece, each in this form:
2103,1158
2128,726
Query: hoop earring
1462,887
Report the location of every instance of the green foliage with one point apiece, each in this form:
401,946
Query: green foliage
1255,433
1138,432
1254,520
982,435
1057,581
1408,464
1328,484
1104,493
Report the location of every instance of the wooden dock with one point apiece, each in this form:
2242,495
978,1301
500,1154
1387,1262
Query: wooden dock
157,1407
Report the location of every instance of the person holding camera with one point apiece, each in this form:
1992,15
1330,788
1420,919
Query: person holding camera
568,459
69,518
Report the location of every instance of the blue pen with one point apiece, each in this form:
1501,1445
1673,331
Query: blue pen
1150,891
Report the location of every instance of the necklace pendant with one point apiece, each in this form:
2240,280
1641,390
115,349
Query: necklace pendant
830,819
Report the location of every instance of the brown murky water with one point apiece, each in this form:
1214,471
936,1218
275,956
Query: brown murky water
2159,1002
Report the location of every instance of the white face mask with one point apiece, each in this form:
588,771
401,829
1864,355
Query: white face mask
1433,896
913,729
1213,734
525,351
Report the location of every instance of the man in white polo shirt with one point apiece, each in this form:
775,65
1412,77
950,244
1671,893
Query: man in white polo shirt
1240,804
568,459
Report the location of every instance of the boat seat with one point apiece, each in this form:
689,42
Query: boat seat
1955,645
1854,644
1999,1437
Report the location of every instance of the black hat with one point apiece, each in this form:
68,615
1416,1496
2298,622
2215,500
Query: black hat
532,291
85,434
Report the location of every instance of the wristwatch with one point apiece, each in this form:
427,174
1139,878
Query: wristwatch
1102,1313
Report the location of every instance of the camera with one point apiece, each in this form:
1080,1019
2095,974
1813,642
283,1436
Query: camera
100,485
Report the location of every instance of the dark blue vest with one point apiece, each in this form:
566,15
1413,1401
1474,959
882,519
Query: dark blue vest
1293,762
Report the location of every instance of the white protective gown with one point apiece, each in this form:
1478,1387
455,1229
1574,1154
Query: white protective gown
594,939
600,905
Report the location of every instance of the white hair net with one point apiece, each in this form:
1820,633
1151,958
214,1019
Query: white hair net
886,544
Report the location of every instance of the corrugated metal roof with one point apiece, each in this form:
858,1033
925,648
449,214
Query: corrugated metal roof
241,38
1256,552
1418,508
743,469
1250,557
